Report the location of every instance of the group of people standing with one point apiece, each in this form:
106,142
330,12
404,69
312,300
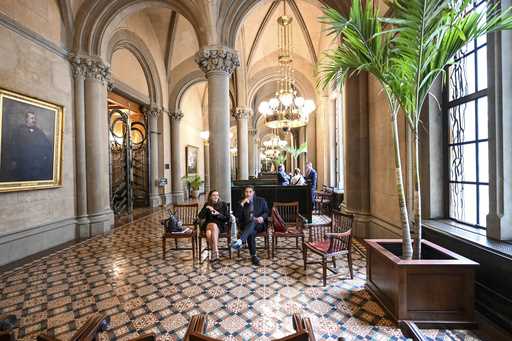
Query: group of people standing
297,179
250,213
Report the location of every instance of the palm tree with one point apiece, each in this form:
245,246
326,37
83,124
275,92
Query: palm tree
365,47
428,34
421,38
296,152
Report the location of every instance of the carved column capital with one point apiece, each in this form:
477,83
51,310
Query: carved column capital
152,112
176,116
217,59
89,67
241,113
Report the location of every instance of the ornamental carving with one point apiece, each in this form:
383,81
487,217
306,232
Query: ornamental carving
91,68
241,113
217,59
151,112
176,116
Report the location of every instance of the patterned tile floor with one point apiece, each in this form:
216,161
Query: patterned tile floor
123,275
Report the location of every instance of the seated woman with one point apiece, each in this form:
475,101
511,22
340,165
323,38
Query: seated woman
297,179
215,217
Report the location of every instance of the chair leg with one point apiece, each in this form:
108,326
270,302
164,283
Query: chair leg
274,242
176,242
267,245
334,261
349,255
194,245
305,255
324,270
296,242
229,246
163,248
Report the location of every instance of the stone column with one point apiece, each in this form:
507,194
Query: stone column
322,139
331,143
97,147
206,148
253,149
242,116
176,174
218,63
152,115
80,155
357,153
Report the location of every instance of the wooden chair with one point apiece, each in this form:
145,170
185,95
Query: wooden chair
294,221
7,325
187,213
222,235
91,329
329,241
265,234
324,199
411,331
198,325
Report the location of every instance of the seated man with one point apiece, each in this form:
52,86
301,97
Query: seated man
251,214
283,179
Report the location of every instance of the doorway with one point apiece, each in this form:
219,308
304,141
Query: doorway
129,159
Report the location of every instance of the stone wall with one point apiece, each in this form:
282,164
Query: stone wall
32,221
385,220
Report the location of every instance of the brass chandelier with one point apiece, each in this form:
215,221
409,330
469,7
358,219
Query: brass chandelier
286,109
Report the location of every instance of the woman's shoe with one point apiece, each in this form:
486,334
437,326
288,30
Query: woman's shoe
214,257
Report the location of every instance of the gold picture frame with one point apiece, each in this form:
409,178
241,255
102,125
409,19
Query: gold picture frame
31,136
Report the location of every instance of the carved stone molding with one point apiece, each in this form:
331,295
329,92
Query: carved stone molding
215,59
241,113
152,112
252,131
89,67
176,116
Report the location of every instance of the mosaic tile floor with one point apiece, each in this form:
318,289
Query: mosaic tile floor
123,275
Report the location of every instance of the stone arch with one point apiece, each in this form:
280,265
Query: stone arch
181,87
126,39
94,19
234,12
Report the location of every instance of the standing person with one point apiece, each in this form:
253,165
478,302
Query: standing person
311,178
283,179
297,179
215,217
251,214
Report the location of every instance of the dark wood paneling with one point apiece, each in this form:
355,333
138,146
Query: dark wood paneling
493,281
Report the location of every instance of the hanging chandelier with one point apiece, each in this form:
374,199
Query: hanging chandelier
273,146
286,109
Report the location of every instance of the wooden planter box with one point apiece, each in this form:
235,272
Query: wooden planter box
436,291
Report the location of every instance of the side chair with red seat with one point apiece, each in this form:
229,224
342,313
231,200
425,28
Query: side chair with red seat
329,241
293,225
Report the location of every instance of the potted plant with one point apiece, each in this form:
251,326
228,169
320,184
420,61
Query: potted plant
406,53
193,183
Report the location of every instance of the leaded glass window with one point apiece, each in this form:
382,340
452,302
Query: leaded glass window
467,133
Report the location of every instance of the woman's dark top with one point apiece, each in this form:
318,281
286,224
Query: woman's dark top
220,219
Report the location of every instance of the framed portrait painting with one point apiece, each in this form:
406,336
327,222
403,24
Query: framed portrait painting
191,155
30,143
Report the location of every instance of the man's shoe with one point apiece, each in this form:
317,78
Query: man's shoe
255,260
236,245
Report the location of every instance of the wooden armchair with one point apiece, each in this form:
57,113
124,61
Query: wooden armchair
411,331
187,213
91,329
294,221
7,325
329,241
222,235
324,199
198,325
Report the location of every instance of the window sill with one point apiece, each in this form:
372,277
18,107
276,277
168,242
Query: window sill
473,235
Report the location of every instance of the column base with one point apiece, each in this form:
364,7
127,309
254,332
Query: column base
155,200
101,222
166,199
83,228
361,221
